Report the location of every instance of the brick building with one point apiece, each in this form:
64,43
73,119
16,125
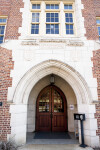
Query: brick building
49,64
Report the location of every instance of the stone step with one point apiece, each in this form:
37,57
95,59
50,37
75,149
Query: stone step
53,147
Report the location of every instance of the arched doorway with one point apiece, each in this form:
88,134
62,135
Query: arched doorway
51,110
28,82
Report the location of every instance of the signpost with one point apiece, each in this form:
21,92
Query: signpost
81,117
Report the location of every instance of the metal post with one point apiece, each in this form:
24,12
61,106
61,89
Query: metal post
82,135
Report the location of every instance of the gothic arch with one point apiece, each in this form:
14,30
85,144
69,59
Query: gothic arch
45,68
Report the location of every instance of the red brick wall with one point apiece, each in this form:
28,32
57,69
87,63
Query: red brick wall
90,12
6,65
96,74
11,8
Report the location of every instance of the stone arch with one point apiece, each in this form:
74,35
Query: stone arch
73,78
70,100
45,68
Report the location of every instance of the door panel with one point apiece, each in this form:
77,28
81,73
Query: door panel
44,123
43,110
51,113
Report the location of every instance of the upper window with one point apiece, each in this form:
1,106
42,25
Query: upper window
35,23
35,19
35,6
52,18
98,25
69,23
68,6
52,26
2,29
52,6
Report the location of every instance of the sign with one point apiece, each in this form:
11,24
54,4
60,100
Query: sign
79,117
0,103
71,107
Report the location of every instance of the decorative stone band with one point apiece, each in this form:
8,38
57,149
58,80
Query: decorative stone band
96,102
34,42
37,42
75,43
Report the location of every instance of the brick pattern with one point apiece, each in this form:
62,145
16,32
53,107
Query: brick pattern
96,74
6,64
11,8
90,12
14,20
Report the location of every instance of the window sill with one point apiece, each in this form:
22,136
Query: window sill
52,10
52,36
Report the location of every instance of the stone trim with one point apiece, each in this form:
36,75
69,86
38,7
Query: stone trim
39,41
39,71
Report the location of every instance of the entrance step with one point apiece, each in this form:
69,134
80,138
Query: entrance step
52,138
53,147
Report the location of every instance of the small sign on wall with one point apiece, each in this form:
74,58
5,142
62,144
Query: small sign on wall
71,107
0,103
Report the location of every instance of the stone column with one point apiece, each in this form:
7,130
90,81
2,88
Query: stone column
18,123
90,125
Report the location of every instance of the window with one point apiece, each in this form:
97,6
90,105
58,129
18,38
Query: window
69,23
2,29
35,6
52,17
35,19
52,6
98,25
67,6
69,19
52,27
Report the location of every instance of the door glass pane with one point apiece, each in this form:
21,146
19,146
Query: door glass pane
44,102
58,102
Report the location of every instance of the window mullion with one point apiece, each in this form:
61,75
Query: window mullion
62,19
42,19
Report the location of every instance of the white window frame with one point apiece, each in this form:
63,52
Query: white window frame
61,11
70,11
3,24
35,11
98,25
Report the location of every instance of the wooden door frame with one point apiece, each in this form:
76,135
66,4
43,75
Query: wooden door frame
64,98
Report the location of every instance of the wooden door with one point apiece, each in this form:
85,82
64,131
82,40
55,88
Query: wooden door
51,113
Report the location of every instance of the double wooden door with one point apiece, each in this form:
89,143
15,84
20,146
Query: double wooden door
51,113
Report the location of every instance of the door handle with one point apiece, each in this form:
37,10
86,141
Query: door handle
51,115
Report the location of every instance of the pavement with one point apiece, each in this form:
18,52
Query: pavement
53,147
